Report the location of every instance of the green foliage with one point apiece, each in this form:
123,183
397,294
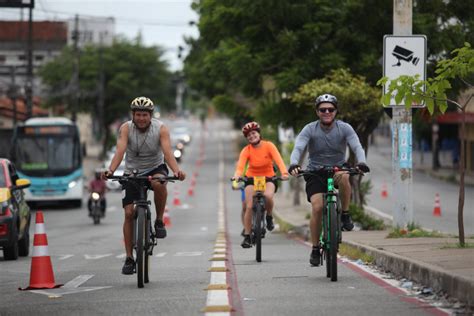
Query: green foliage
242,42
355,253
412,231
366,221
130,70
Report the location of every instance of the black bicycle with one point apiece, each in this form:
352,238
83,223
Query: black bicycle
144,239
258,214
331,235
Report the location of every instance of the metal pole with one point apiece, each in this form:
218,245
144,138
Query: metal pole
13,92
75,74
29,73
402,163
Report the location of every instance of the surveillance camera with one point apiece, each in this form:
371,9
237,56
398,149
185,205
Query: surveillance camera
404,54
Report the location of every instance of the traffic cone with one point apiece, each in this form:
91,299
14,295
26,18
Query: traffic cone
166,217
41,274
176,200
191,191
437,206
384,192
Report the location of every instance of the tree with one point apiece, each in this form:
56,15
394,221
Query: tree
243,42
358,105
130,70
409,89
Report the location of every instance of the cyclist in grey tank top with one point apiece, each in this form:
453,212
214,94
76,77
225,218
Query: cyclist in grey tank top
326,140
146,143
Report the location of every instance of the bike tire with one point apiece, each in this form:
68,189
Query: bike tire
258,232
140,242
333,240
146,250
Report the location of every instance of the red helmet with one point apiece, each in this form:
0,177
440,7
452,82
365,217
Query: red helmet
251,126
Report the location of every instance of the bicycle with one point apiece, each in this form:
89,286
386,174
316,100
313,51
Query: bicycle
144,239
258,215
331,234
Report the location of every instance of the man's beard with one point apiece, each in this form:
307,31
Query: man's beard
327,124
140,128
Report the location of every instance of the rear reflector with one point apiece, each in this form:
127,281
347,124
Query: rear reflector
3,229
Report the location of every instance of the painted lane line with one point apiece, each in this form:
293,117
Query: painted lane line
160,255
64,257
77,281
95,257
217,302
188,254
71,287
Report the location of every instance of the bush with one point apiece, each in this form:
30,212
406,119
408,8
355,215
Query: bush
366,222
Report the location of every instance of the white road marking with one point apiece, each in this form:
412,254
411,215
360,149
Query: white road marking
71,287
160,254
204,229
64,257
188,254
95,257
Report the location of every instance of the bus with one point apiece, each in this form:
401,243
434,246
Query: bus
47,151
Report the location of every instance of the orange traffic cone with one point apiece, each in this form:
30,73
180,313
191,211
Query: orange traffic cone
41,274
437,206
167,218
384,192
176,200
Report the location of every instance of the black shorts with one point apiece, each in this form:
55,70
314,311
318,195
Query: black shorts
131,192
315,183
250,182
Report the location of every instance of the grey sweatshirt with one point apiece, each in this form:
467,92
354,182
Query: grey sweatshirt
327,147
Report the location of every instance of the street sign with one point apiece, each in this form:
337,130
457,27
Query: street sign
17,3
404,55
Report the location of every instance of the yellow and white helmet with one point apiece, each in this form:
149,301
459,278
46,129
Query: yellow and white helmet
142,104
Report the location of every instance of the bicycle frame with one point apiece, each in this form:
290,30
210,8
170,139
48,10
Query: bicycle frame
258,212
144,238
331,234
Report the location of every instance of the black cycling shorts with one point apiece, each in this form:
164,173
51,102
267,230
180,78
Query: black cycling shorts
250,182
317,183
131,192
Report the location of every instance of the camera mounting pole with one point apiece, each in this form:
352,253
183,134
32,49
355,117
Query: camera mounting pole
402,167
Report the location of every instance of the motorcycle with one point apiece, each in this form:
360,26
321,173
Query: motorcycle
178,152
96,207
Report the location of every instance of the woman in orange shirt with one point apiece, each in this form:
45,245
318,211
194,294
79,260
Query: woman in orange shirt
260,156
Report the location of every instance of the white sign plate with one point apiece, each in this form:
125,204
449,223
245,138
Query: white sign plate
404,55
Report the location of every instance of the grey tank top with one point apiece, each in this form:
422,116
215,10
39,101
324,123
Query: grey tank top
144,151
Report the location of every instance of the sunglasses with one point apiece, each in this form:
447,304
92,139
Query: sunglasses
326,110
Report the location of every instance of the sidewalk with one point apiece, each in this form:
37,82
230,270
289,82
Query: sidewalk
428,261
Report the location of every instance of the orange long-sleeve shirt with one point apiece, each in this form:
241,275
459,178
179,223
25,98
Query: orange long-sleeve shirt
260,160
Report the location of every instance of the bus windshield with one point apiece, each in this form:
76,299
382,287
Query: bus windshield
47,155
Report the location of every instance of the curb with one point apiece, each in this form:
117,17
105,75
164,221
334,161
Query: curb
454,285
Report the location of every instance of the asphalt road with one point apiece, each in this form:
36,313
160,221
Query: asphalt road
283,284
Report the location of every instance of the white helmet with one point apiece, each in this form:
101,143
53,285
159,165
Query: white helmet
142,104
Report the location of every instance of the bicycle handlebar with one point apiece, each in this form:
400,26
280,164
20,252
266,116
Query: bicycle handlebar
331,170
243,179
143,178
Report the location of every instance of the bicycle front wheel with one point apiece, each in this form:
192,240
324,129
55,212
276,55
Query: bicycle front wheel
333,240
140,242
147,247
258,232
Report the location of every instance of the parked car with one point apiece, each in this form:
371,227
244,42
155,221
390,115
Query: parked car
15,215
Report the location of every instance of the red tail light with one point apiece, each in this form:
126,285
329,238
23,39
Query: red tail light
3,229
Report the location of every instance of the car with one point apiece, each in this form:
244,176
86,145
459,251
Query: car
15,215
180,133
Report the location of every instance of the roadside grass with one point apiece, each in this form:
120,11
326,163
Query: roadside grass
366,221
355,254
284,226
412,231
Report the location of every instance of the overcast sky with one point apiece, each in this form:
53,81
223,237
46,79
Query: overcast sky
161,22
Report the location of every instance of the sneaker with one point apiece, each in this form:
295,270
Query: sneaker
270,225
160,230
315,258
246,243
346,220
129,266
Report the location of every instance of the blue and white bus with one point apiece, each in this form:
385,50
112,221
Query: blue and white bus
47,151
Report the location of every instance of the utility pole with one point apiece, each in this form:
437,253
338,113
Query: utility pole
12,93
29,71
74,86
402,175
101,98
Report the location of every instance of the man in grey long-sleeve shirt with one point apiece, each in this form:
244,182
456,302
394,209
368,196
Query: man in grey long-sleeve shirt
327,140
